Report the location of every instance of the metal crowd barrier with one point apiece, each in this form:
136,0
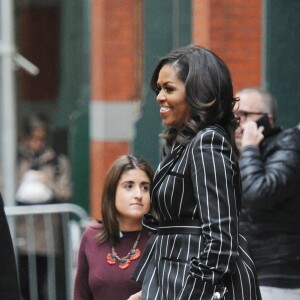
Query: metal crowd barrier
74,220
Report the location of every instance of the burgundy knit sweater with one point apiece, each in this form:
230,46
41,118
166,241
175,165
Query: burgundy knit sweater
95,278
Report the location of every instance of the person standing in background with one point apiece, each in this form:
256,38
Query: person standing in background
110,250
270,170
9,284
43,177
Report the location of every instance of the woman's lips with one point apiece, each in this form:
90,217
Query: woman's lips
164,109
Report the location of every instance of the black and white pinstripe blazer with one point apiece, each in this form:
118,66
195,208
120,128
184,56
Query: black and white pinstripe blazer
197,252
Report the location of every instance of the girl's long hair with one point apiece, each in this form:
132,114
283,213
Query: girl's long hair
111,231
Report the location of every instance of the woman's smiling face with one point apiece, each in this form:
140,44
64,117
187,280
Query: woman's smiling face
171,97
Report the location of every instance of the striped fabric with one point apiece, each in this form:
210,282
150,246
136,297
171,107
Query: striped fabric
197,252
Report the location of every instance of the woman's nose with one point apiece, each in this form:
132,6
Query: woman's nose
160,96
138,193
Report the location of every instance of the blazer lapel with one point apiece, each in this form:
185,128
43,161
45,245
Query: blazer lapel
165,165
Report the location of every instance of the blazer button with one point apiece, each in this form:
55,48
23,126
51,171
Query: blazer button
216,296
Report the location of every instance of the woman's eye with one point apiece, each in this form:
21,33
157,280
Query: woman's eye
128,186
146,187
169,89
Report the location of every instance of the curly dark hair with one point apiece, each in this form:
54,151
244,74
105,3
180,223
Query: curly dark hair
209,92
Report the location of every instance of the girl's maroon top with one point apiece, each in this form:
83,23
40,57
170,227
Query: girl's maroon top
95,278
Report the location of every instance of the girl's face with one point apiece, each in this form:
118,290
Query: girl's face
171,97
132,198
36,141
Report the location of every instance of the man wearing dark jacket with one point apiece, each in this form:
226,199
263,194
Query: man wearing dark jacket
270,171
9,285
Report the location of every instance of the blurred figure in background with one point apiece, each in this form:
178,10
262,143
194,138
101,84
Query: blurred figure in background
270,171
43,177
9,285
110,250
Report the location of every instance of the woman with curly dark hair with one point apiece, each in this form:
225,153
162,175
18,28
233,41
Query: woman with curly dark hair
197,252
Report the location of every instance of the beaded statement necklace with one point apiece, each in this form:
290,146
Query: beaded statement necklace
113,258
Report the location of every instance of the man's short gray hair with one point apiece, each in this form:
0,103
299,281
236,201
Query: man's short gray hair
269,101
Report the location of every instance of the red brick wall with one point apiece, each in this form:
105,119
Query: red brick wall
116,76
201,23
103,154
116,48
233,30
